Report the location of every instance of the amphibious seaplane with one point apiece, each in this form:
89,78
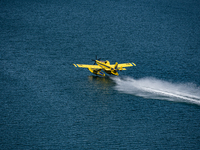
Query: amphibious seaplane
105,66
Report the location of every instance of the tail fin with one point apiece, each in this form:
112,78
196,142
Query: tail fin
116,65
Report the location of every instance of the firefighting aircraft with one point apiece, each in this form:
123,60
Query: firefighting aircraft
105,66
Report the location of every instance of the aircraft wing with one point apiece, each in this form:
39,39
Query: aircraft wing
126,65
87,66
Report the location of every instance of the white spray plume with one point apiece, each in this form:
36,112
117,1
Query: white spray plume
152,88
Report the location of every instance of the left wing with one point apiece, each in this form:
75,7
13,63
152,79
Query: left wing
87,66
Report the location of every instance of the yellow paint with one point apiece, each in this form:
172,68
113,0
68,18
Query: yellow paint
106,67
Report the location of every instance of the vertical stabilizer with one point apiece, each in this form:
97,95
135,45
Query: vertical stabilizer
114,70
116,65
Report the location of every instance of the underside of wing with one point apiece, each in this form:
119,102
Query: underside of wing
87,66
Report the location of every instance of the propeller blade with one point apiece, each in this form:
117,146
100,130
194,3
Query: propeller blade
95,60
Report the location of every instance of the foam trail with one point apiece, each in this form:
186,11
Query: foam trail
152,88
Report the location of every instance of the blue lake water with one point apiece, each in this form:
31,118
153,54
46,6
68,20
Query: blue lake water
47,103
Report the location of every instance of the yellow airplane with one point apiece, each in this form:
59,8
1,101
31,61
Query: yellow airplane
105,66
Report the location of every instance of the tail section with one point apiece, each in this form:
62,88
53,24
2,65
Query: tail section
114,70
116,66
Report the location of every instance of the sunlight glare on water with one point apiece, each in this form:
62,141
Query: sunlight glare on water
153,88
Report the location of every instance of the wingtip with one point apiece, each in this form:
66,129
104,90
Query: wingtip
75,65
134,64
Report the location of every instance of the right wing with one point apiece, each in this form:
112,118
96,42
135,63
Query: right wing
126,65
87,66
122,66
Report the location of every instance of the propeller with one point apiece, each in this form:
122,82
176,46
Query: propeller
96,59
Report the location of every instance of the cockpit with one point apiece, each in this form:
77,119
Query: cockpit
107,62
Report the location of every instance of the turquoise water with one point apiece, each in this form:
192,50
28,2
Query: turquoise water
47,103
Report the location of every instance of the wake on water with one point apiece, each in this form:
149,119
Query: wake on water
152,88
